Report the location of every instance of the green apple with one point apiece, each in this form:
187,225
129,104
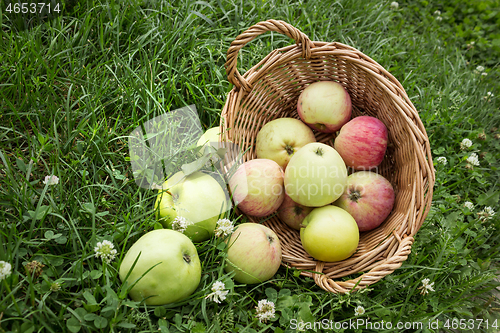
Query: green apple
329,234
315,176
279,139
211,135
198,198
325,106
254,253
176,275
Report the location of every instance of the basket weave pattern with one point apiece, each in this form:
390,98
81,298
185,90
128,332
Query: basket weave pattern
270,90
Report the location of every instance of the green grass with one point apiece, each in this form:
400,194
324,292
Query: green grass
72,90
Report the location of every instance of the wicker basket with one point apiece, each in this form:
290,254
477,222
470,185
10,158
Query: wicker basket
270,90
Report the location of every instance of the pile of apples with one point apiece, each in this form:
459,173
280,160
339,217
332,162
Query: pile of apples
307,182
303,181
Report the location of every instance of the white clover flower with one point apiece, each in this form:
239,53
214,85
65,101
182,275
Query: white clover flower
488,96
105,250
484,73
51,180
469,205
56,286
426,286
473,159
359,310
479,69
265,310
437,12
439,18
486,214
466,143
5,270
394,5
442,160
218,293
180,224
224,228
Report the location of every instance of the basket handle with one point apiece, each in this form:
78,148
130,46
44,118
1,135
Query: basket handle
258,29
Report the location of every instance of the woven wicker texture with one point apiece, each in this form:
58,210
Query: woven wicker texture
270,90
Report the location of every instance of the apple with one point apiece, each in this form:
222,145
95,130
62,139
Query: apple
279,139
211,136
257,187
254,253
176,275
362,142
325,106
315,176
292,213
369,198
198,198
329,234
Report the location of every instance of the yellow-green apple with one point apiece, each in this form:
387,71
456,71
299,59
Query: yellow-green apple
362,142
315,176
329,234
192,204
254,253
176,270
325,106
369,198
279,139
211,135
257,187
292,213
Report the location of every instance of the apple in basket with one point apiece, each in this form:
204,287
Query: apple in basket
325,106
329,234
254,253
192,204
315,176
279,139
369,198
292,213
362,142
173,264
257,187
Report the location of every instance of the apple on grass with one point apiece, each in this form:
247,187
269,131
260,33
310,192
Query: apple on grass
362,142
369,198
279,139
329,234
293,213
196,200
315,176
325,106
254,253
257,187
176,271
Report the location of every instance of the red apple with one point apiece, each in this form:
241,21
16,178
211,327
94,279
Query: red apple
293,213
325,106
257,187
254,253
362,142
369,198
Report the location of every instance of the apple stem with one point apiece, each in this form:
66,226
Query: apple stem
289,150
354,195
187,258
